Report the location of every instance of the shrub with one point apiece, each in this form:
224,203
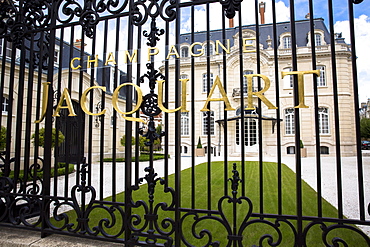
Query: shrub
41,142
199,143
123,140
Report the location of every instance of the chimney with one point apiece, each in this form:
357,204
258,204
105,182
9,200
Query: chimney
231,22
78,43
262,6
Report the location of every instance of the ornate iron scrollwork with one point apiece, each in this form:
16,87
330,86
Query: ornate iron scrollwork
150,229
88,12
83,208
235,233
150,104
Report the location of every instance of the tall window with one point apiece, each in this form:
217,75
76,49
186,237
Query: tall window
321,82
317,39
211,128
185,52
323,120
289,121
250,132
245,82
205,81
184,123
288,79
5,105
287,42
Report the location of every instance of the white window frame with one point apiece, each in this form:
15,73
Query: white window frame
245,82
318,39
185,120
324,125
204,78
211,49
289,121
5,105
204,116
288,79
185,51
321,81
287,42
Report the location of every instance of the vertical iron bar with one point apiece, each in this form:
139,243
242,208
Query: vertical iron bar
224,124
178,232
48,124
128,131
336,111
209,164
357,117
192,111
316,108
57,127
241,85
102,129
277,96
259,112
27,140
115,84
67,139
297,128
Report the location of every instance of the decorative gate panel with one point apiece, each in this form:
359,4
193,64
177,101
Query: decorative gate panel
93,92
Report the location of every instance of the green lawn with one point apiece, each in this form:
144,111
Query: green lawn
252,233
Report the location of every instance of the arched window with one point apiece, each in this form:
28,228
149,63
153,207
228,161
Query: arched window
205,81
184,123
185,51
318,39
289,121
323,120
211,129
287,42
321,81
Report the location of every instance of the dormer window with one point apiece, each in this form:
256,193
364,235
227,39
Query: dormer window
211,49
317,39
287,42
185,51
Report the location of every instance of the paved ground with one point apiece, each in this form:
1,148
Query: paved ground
349,176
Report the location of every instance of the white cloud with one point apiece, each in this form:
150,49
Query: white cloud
362,37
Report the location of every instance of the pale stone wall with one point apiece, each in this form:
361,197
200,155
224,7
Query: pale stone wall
286,100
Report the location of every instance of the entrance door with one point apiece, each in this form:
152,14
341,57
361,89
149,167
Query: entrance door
72,149
250,134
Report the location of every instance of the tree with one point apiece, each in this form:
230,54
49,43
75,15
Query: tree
41,142
365,127
2,137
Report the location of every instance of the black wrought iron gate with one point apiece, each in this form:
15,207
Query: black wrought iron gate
228,91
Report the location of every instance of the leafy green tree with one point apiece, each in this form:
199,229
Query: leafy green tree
53,137
2,137
365,127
